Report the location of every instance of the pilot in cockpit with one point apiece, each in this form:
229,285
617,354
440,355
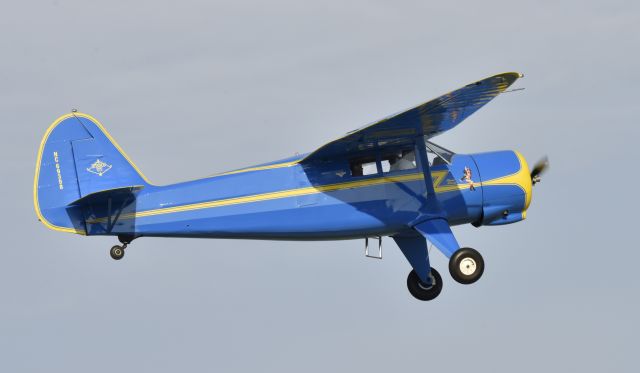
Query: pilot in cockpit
405,161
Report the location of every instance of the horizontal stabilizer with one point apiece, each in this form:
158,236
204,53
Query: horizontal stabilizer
116,195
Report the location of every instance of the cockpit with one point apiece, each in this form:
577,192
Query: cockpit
398,160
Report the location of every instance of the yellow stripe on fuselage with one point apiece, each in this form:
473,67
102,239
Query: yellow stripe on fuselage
438,177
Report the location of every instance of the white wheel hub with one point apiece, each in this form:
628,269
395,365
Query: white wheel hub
468,266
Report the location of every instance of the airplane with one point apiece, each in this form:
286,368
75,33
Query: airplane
387,179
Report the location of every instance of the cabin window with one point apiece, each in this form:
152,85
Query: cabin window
385,163
398,161
363,167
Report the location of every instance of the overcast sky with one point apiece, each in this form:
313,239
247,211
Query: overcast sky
193,88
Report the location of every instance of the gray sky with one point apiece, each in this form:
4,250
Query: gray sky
192,88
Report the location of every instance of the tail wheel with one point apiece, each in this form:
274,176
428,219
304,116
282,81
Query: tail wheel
422,291
117,252
466,265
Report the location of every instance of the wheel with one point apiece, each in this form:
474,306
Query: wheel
421,291
466,265
117,252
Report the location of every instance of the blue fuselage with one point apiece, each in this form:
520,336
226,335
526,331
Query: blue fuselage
286,200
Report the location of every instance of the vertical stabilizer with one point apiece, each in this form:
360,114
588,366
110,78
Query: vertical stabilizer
77,157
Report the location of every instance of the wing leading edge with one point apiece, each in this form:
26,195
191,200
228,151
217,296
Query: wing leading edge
429,119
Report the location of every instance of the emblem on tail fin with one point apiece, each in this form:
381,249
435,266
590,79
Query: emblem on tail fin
99,168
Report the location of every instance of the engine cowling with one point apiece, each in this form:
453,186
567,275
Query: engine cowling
506,187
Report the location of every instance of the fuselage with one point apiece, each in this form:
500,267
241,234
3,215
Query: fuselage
289,200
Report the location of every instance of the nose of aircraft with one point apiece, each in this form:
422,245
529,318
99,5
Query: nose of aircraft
506,186
524,180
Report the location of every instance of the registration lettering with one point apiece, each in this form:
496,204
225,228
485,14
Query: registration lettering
55,158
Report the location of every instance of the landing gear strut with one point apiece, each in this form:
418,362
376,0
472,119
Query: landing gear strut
424,291
466,265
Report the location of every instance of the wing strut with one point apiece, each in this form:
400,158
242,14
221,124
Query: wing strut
432,208
421,151
432,225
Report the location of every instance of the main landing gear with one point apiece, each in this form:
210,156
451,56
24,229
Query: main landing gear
465,266
117,251
423,291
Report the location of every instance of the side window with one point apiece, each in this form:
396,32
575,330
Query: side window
363,166
399,161
386,163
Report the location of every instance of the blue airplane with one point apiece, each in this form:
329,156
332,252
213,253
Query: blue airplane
385,179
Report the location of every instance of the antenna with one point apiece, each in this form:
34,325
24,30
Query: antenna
514,90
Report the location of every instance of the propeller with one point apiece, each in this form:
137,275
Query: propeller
540,167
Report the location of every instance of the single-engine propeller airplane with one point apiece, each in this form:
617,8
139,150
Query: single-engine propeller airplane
385,179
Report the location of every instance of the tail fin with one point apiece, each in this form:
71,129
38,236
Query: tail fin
77,157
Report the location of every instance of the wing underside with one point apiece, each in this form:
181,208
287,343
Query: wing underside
429,119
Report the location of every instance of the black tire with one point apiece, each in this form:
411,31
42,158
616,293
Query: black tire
116,252
421,291
466,265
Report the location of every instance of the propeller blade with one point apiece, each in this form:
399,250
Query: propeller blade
538,169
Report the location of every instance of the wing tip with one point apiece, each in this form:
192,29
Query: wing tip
506,79
511,75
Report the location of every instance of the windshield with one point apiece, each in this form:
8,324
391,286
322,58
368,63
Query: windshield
401,159
438,153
